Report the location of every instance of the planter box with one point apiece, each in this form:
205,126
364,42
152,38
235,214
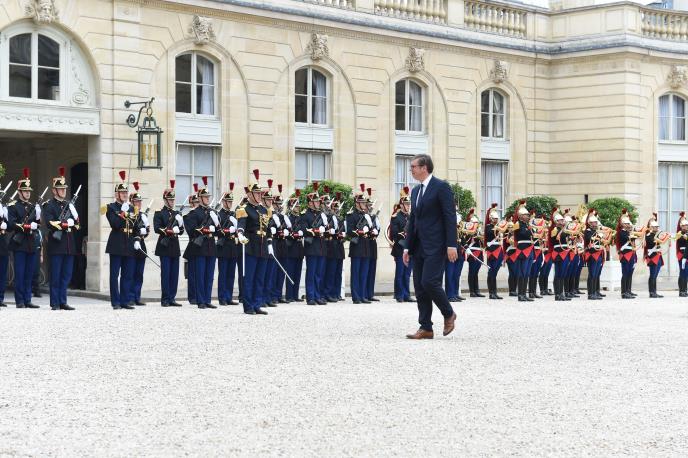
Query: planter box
611,276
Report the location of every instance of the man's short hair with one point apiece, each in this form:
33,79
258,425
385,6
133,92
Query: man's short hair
424,160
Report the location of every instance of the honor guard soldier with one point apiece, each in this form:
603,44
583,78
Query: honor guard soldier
257,244
474,254
524,249
169,225
61,220
119,215
201,225
682,254
543,277
315,224
227,249
336,252
653,253
558,247
358,224
453,270
375,229
23,219
625,247
397,235
493,249
325,206
539,229
295,250
570,266
4,249
273,227
189,251
594,254
140,230
279,242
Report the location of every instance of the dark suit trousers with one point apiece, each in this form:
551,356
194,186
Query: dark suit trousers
428,272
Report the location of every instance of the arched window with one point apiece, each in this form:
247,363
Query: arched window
34,67
195,82
672,118
310,97
408,101
492,114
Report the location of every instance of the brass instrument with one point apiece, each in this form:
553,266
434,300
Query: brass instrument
604,236
469,228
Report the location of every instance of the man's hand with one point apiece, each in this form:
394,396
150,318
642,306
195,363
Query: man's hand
405,257
452,254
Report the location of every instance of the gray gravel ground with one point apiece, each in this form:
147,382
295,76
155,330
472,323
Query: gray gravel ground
567,379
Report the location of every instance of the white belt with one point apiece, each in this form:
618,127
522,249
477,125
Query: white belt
654,250
529,242
561,246
493,243
626,246
474,249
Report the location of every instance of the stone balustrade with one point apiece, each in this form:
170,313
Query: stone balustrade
415,10
664,24
345,4
494,18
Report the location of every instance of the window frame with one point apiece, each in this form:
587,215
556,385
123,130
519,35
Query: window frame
5,62
407,107
671,118
309,165
408,178
490,114
309,97
504,186
194,84
217,153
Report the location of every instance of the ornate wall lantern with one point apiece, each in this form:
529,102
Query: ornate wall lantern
149,135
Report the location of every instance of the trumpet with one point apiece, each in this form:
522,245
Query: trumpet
681,235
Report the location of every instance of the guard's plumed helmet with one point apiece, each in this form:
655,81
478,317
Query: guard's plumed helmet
59,182
122,185
169,192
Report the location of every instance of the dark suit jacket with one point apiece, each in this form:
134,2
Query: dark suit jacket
433,221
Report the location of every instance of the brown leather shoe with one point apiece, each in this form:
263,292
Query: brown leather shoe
449,324
421,334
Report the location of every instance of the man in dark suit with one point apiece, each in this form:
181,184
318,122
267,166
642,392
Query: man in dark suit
431,241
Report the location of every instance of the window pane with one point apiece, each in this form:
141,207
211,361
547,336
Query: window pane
20,49
183,98
319,84
183,187
400,92
485,102
677,176
497,103
20,81
184,159
318,167
205,71
415,94
301,83
203,161
205,100
664,117
301,171
400,169
319,110
183,68
663,199
663,175
301,108
485,125
48,52
400,121
679,107
677,201
48,84
679,132
498,126
415,119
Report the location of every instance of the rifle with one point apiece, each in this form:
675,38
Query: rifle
17,237
3,192
222,238
198,240
57,235
165,241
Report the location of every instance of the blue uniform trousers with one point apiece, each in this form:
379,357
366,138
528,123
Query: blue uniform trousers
4,263
330,283
370,281
121,279
205,270
279,279
61,267
169,278
191,280
293,266
315,266
359,278
253,282
225,278
402,279
137,266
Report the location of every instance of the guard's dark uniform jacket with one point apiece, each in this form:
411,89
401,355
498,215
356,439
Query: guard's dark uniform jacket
119,243
314,241
372,238
259,237
201,240
22,238
335,249
188,251
523,238
279,241
358,245
136,236
592,249
653,252
681,246
168,242
4,238
626,249
558,244
397,233
294,242
493,247
227,243
52,212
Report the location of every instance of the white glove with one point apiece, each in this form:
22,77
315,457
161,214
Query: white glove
72,210
365,229
144,218
70,222
375,232
38,211
137,245
211,229
332,231
321,229
300,233
4,212
214,217
273,230
175,230
143,231
180,220
242,238
233,220
285,232
3,226
34,226
125,207
271,250
232,230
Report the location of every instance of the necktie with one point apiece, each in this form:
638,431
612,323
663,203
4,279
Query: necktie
420,195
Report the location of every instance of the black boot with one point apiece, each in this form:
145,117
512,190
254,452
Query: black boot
492,286
624,288
591,289
598,289
543,286
521,290
532,288
512,286
577,286
682,283
476,287
572,287
557,289
563,286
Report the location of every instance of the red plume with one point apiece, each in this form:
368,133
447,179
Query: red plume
270,181
256,173
297,193
205,181
195,187
678,225
279,188
327,189
136,185
338,195
26,172
362,186
61,171
122,174
369,191
246,190
406,190
231,186
316,186
172,183
522,202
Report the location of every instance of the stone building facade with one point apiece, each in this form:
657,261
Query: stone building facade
579,102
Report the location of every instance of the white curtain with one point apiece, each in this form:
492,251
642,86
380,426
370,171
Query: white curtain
206,72
679,119
415,107
319,94
664,117
493,173
498,115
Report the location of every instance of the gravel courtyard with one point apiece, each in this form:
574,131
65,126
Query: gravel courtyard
548,378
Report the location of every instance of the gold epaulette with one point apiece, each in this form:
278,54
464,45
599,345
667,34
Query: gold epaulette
555,231
56,225
516,226
241,212
9,204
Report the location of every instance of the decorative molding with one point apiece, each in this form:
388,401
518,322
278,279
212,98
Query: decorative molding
42,11
81,95
317,48
678,75
415,61
50,119
499,72
202,30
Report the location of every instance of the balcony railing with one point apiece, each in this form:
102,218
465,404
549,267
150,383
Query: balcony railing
415,10
345,4
494,18
663,24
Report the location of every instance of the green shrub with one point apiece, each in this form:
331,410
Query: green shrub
541,204
345,189
609,210
2,171
464,197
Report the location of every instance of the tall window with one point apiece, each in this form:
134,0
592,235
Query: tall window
195,85
672,118
494,183
193,163
34,67
310,97
492,114
403,175
408,101
671,193
311,165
